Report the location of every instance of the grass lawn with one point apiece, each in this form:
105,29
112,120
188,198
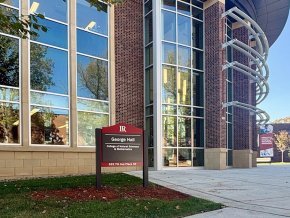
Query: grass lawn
16,199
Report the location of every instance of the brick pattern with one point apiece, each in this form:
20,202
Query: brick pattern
34,164
129,63
215,78
241,84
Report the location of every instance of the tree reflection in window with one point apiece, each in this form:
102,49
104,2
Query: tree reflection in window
9,61
9,123
49,126
92,78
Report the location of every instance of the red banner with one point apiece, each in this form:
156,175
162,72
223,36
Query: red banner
266,145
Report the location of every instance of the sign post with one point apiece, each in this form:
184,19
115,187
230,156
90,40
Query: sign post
121,145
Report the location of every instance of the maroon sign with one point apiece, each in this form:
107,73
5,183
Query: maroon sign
122,145
266,145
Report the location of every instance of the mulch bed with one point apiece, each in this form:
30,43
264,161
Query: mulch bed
110,194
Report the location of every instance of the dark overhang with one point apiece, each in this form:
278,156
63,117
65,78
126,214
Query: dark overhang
271,15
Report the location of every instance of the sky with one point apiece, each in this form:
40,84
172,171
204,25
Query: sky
277,104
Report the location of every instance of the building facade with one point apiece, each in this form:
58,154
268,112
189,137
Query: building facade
190,72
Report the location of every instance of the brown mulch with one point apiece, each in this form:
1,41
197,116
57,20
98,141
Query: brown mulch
109,193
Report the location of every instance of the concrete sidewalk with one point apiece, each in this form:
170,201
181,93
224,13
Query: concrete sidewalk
259,192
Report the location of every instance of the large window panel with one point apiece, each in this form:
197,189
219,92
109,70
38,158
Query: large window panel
9,12
184,56
184,86
198,129
49,126
9,61
169,131
55,9
92,44
169,84
92,79
197,87
184,132
184,31
169,157
56,34
87,123
169,4
9,94
184,158
149,85
183,8
197,34
94,106
49,100
169,53
48,69
169,26
197,59
149,28
14,3
9,123
91,18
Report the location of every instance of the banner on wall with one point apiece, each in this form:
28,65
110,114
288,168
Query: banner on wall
266,143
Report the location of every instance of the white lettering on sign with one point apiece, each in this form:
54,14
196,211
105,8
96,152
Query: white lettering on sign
123,129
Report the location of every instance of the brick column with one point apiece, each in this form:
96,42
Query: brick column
129,68
215,86
242,154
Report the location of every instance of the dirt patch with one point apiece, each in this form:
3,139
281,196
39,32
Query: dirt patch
109,193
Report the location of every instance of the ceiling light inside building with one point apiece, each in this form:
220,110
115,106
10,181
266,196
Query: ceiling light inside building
34,7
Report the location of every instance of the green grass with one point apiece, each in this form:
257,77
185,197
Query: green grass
16,201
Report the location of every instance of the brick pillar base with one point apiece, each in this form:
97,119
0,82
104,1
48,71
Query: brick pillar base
215,159
254,158
243,158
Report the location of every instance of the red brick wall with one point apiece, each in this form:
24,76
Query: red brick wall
129,63
215,78
241,93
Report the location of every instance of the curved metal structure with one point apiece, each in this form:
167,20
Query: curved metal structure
257,57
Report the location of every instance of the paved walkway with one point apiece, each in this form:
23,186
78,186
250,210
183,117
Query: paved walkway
260,192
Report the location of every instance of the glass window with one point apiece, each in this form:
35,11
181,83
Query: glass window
55,9
170,157
184,132
169,26
48,69
148,29
183,8
56,34
9,123
184,111
197,59
14,3
198,158
92,44
9,94
184,86
49,126
197,3
149,110
8,12
87,123
184,158
149,55
148,6
197,89
49,100
197,34
94,106
92,79
169,84
197,13
184,31
169,53
169,109
149,85
9,61
198,130
169,131
169,4
90,18
184,56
